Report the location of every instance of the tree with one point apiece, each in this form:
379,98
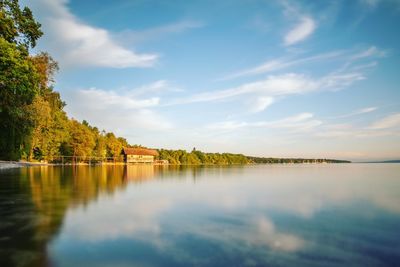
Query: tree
18,88
46,67
18,25
40,114
18,78
114,146
82,141
100,149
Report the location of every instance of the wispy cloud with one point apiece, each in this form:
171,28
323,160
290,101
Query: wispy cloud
157,87
391,121
111,98
301,31
348,56
271,86
372,51
74,42
283,63
135,36
387,126
367,110
306,125
352,132
298,123
355,113
263,93
370,3
260,24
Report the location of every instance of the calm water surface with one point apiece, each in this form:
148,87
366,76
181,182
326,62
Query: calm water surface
267,215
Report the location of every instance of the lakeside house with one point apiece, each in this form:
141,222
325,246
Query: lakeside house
139,155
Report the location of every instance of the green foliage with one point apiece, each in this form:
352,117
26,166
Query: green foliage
261,160
82,141
46,67
40,114
18,88
18,25
196,157
18,78
114,146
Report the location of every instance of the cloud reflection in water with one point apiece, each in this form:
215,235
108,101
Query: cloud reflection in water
261,214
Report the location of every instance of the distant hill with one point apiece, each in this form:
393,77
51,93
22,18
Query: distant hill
294,160
384,161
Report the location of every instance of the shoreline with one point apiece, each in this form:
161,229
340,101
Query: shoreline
19,164
4,165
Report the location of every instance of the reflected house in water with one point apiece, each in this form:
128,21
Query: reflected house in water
139,155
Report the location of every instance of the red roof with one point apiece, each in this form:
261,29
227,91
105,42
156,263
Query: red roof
140,151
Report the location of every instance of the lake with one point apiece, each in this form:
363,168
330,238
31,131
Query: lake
256,215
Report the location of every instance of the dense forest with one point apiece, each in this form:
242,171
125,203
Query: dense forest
33,123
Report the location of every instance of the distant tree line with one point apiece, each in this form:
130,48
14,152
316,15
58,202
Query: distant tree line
262,160
196,157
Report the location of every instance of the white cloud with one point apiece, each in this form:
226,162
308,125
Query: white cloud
77,43
366,110
261,103
305,24
259,232
139,216
121,113
104,99
267,234
390,121
301,31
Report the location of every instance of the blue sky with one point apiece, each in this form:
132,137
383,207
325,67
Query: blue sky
267,78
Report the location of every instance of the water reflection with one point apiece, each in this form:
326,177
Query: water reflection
304,215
